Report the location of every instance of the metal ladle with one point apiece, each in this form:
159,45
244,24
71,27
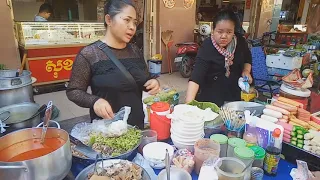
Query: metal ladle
167,160
46,119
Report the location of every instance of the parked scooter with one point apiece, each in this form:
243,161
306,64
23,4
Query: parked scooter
185,60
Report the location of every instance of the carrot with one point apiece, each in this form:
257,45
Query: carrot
298,121
289,101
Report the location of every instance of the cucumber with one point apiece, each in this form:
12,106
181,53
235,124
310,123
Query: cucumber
300,146
300,136
300,141
294,139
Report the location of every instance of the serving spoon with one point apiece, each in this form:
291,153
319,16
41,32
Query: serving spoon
46,119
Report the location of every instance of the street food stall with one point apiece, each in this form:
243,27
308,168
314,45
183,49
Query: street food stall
49,48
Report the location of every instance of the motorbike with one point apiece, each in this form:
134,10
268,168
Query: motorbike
185,59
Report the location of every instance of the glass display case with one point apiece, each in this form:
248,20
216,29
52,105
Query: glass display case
58,33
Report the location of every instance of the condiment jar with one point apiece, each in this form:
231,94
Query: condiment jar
203,150
246,155
223,141
234,142
259,154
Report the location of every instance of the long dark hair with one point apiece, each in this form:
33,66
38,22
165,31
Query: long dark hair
114,7
226,15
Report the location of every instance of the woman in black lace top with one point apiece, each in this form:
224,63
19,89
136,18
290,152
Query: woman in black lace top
111,90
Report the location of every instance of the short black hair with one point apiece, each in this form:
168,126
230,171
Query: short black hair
226,15
45,8
114,7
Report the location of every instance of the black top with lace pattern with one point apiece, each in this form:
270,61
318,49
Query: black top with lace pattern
92,67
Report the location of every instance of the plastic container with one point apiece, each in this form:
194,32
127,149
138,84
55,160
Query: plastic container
159,121
223,141
257,173
246,155
234,134
273,152
234,142
230,169
259,154
148,136
204,149
184,159
154,67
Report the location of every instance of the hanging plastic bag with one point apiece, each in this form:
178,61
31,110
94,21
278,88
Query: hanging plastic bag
109,128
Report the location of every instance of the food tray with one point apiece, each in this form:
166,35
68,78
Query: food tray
83,175
126,156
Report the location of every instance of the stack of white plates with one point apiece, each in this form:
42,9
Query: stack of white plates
187,126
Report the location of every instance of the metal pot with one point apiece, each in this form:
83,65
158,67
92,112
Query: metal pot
53,166
20,115
14,90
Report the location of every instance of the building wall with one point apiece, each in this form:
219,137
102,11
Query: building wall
181,21
25,11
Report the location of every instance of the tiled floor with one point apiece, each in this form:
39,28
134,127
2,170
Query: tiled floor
70,110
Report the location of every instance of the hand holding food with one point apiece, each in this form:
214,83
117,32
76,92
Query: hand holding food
153,86
103,109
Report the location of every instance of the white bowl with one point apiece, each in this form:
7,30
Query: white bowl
186,133
187,127
187,138
155,154
186,141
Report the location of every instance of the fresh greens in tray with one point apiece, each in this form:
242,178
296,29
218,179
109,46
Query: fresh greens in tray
115,146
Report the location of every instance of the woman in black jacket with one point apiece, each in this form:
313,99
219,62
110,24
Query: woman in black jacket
221,61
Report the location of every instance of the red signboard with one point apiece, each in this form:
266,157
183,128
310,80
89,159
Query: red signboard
51,69
248,4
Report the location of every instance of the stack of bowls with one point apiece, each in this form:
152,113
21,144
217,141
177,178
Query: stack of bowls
187,126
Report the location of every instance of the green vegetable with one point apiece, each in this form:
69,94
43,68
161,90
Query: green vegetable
297,128
294,143
300,141
294,139
300,136
119,145
294,134
300,146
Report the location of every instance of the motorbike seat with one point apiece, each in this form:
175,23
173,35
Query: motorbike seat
186,43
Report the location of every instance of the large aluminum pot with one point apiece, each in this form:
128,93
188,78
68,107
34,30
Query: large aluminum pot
20,115
52,166
14,90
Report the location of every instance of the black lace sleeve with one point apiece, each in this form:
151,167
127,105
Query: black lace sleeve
79,82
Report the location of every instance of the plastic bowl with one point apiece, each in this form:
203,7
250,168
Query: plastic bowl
155,154
175,174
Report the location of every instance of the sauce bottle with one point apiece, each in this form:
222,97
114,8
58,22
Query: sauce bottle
273,152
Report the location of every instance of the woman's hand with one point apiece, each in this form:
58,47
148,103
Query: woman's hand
248,74
103,109
153,86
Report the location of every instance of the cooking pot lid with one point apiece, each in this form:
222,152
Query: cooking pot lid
4,116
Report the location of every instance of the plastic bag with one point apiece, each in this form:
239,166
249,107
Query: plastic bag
244,84
145,165
208,171
184,159
301,172
109,128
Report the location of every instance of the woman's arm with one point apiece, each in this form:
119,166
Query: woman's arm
199,71
79,82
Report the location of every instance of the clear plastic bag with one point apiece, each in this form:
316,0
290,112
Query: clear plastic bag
208,171
184,159
109,128
301,172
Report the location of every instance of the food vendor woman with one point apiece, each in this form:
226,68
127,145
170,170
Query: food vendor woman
111,89
221,61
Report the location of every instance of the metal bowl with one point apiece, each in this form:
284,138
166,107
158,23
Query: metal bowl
241,106
83,175
175,174
129,155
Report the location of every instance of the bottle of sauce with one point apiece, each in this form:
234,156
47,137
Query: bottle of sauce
273,152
